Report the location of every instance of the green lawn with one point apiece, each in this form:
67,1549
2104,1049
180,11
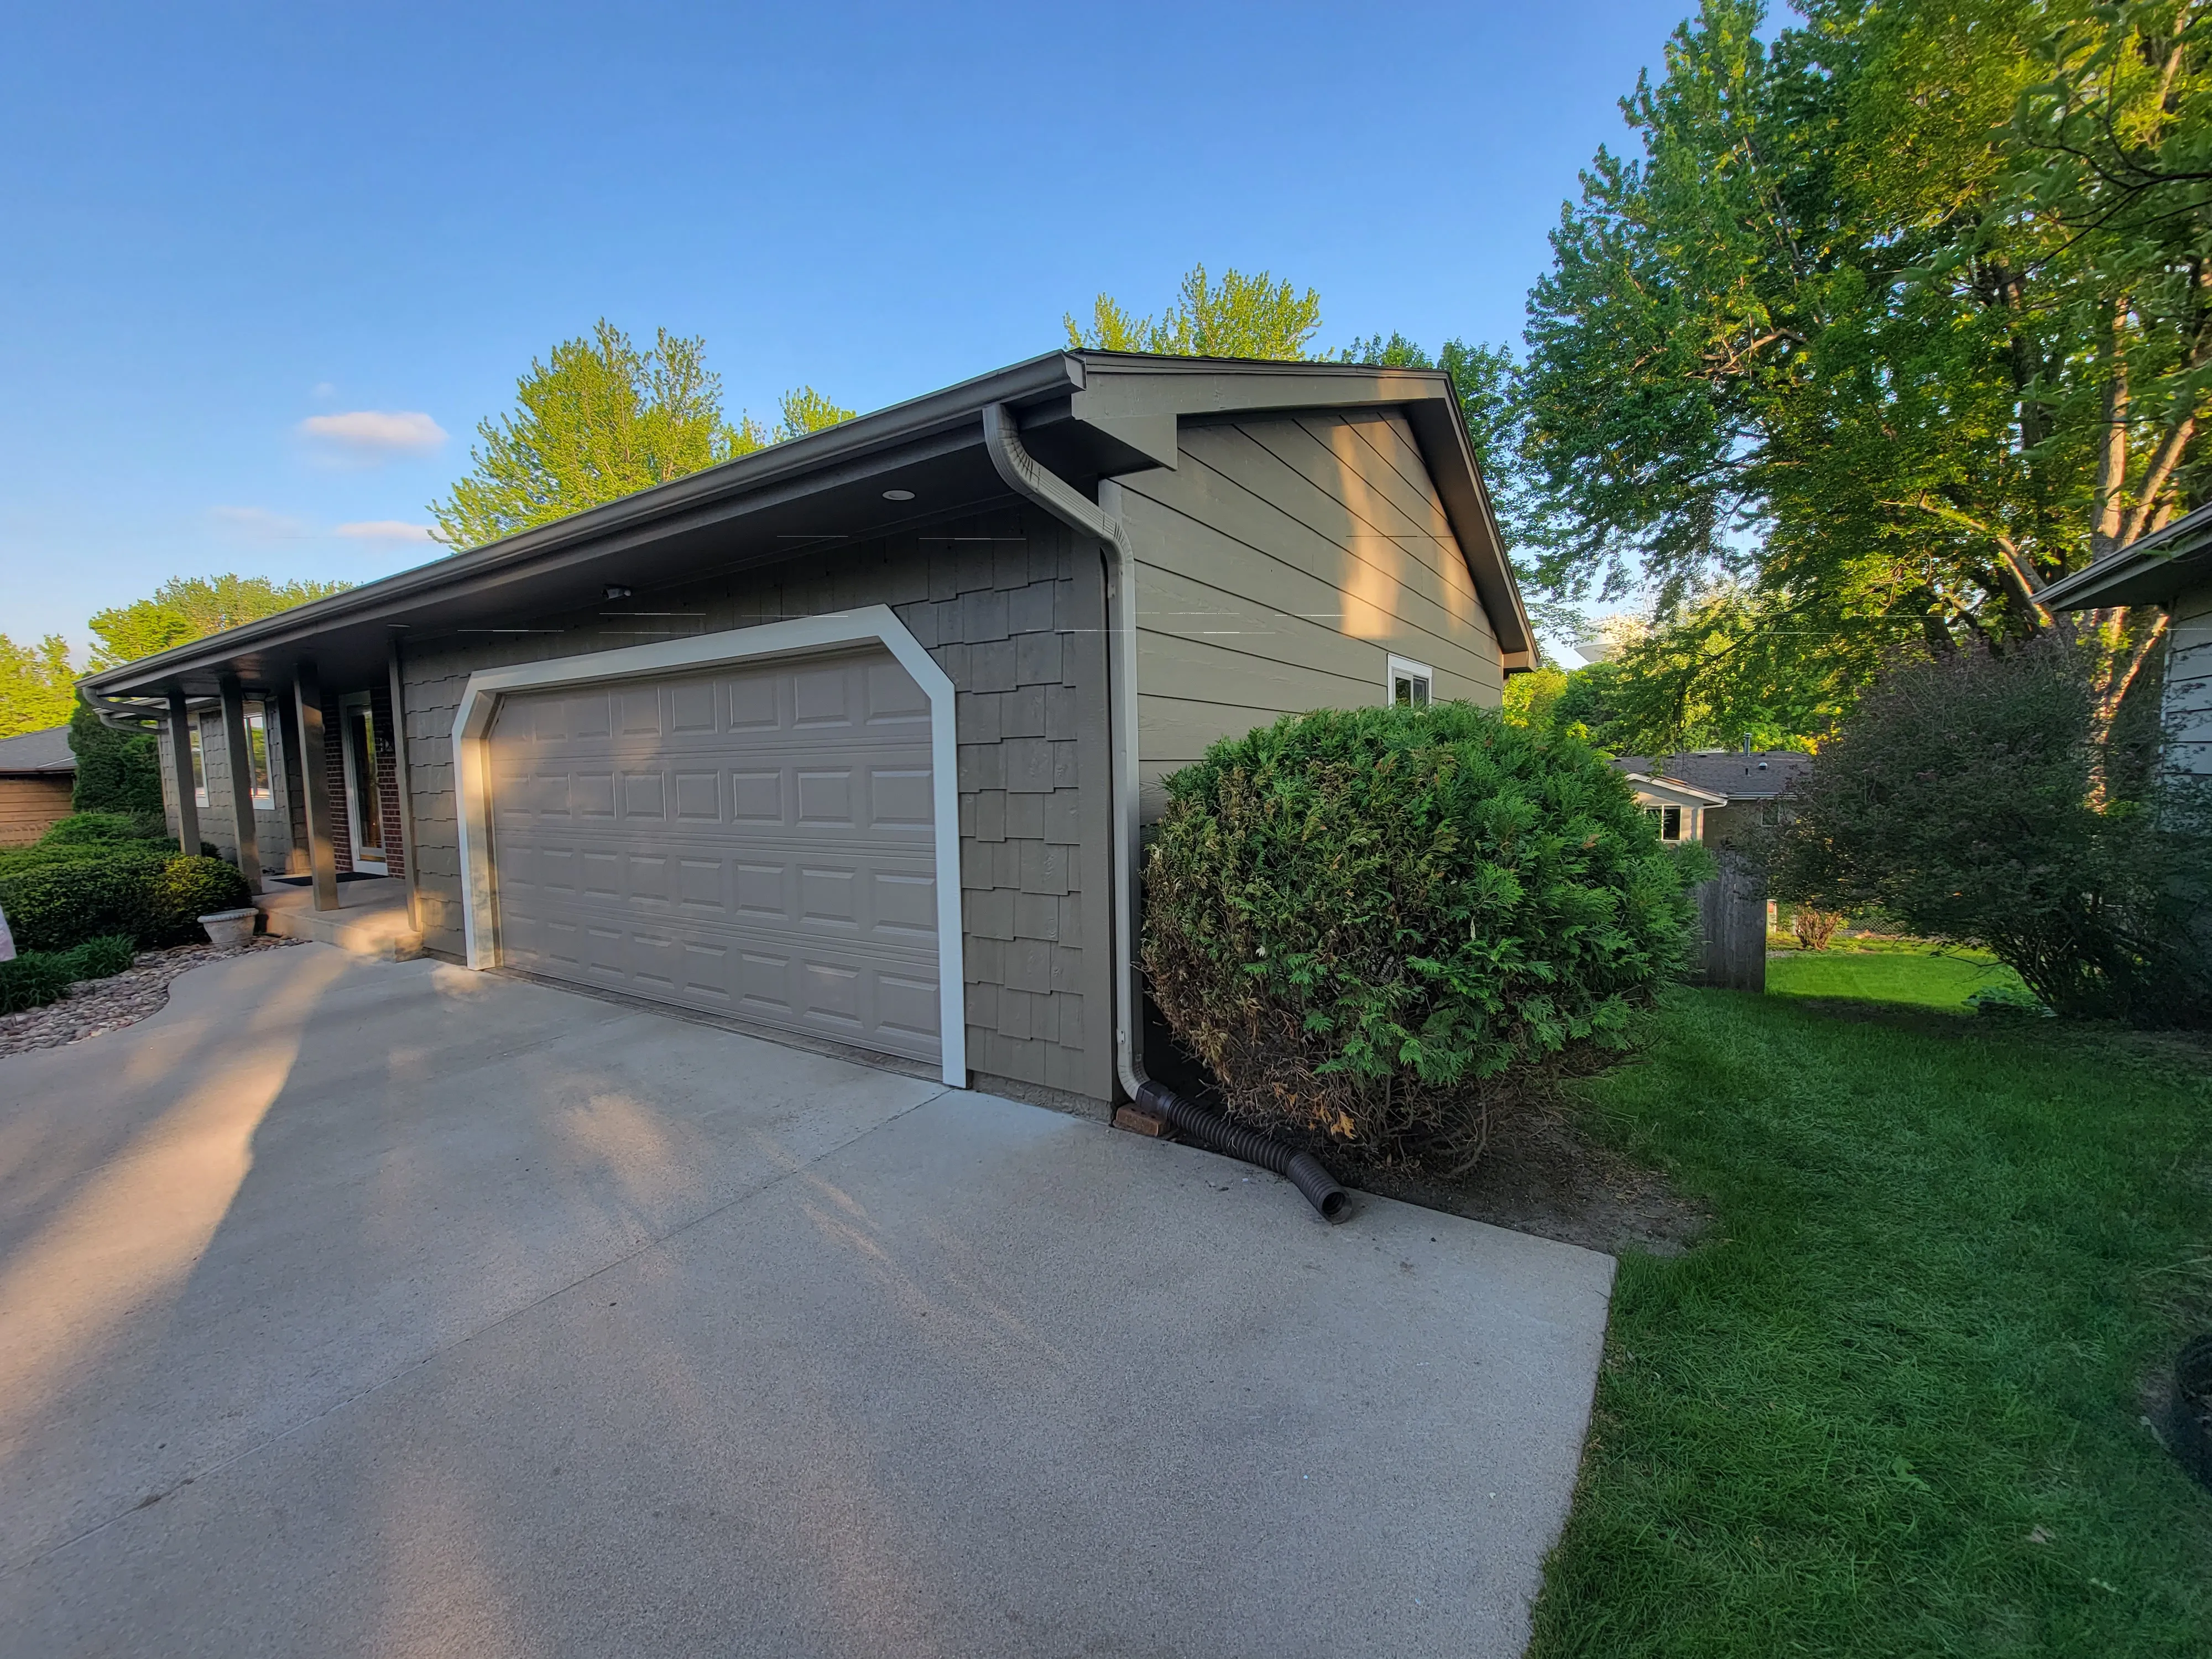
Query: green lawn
1901,972
1891,1406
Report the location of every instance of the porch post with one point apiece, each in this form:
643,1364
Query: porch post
180,755
241,780
397,738
314,784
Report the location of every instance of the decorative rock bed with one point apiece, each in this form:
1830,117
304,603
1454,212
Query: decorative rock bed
96,1006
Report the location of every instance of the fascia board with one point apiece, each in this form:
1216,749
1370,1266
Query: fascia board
1676,792
923,426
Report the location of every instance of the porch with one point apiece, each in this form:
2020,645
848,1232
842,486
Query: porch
372,919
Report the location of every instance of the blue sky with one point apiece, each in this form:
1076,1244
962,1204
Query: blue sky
258,259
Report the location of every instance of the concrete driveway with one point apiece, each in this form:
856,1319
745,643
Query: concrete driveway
394,1309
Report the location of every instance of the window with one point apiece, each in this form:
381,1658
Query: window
199,767
1409,682
1770,812
1670,822
257,750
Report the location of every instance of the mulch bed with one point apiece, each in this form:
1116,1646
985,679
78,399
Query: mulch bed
96,1006
1540,1175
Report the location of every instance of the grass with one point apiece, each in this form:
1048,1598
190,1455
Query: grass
1911,974
1892,1404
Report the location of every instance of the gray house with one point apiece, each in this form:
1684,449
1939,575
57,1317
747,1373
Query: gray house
849,740
1714,795
2171,568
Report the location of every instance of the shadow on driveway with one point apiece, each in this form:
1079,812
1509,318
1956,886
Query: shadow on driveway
391,1309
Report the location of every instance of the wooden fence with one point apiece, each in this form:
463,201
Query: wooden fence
1732,925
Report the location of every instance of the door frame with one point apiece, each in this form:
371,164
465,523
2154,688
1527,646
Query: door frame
803,636
358,797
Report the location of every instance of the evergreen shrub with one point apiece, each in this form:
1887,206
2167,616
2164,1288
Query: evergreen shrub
150,897
1377,928
116,771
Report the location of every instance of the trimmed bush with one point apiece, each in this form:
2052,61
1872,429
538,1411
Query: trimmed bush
186,889
1378,927
148,897
63,904
94,830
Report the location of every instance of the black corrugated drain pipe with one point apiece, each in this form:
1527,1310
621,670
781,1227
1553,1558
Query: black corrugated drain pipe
1302,1170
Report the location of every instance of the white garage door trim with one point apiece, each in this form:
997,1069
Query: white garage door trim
803,636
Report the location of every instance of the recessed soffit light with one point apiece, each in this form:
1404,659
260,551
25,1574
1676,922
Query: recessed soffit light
898,495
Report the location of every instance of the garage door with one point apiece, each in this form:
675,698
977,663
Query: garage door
754,842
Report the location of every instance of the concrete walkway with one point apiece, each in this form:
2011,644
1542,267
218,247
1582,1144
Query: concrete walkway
388,1308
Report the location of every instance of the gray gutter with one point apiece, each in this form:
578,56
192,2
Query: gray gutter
2149,571
902,424
1094,383
1064,502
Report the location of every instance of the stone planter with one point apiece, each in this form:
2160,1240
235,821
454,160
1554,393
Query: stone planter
230,930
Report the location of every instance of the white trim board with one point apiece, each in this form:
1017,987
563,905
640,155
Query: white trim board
803,636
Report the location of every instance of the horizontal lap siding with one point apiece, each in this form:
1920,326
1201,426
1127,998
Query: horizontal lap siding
2189,681
1280,566
1011,612
31,806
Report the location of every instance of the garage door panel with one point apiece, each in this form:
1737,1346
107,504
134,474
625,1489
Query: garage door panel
893,698
759,841
825,800
900,799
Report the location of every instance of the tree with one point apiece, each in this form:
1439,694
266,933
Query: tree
1958,799
116,771
806,410
1862,336
38,687
1243,316
600,420
188,607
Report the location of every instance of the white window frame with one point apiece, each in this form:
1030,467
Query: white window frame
803,636
199,778
1420,672
360,794
265,771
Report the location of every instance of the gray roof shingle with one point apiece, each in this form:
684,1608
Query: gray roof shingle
47,751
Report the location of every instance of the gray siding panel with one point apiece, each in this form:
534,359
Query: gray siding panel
1036,607
2189,681
1280,566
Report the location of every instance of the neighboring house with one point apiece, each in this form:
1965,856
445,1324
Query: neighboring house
1714,795
38,770
2171,568
850,739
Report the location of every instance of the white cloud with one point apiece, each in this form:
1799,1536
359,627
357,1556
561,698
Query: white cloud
322,392
260,524
384,530
374,435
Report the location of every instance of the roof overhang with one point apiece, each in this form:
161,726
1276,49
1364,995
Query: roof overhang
2156,570
1673,792
1086,414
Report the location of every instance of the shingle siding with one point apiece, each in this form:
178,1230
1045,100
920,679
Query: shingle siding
1010,606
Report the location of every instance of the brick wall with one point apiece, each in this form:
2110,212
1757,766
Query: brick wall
334,781
386,782
1012,608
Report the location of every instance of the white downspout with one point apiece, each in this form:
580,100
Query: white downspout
1025,476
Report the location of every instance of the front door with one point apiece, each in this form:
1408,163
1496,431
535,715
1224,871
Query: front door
364,813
